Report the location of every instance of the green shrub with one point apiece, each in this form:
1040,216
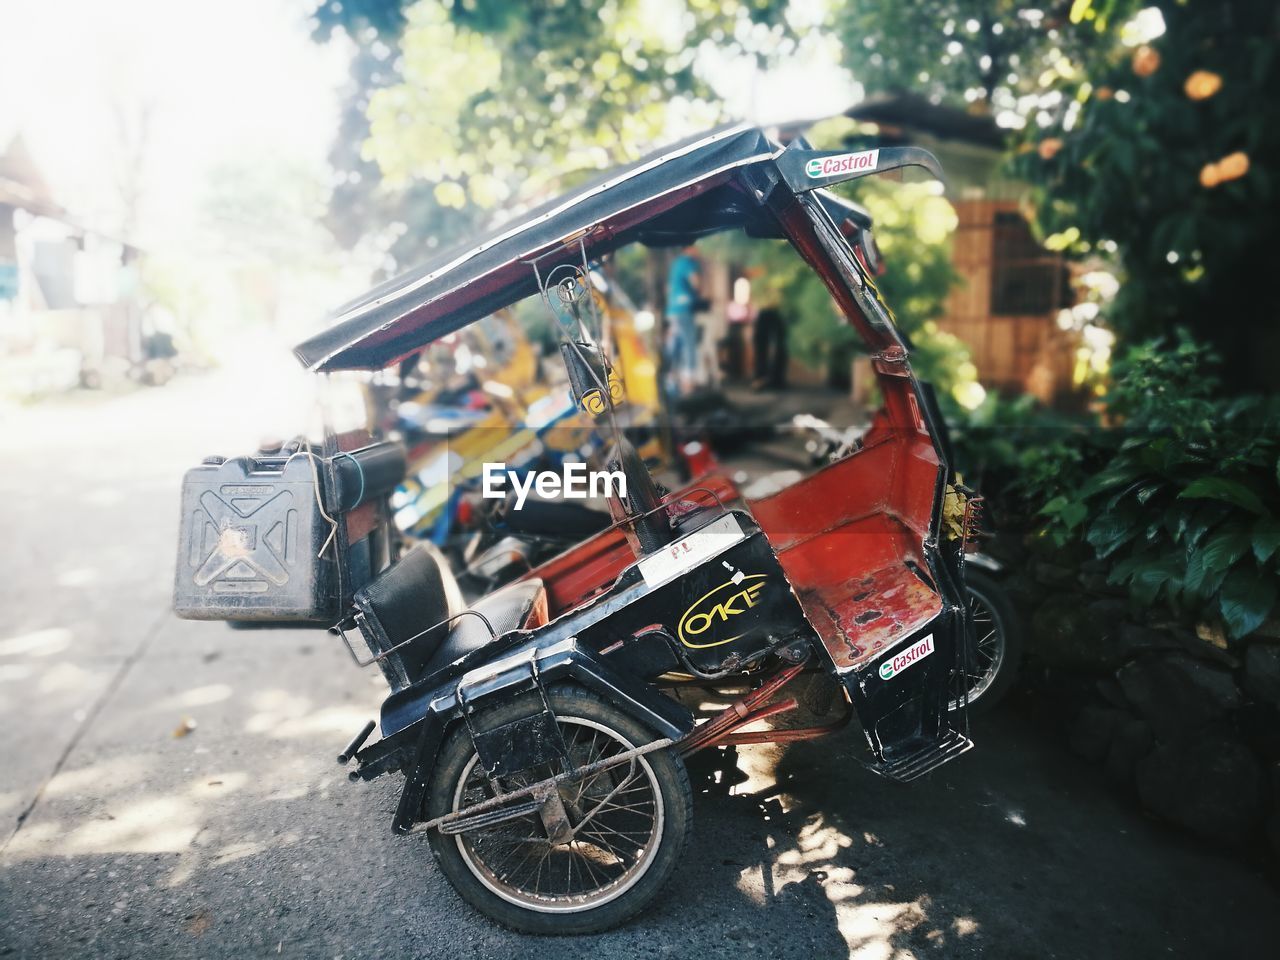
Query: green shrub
1019,453
1183,503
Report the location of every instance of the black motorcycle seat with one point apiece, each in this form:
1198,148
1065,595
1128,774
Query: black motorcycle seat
409,596
418,591
509,608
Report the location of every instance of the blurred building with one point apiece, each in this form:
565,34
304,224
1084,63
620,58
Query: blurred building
1012,289
68,294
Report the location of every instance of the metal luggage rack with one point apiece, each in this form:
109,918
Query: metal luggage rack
340,628
970,522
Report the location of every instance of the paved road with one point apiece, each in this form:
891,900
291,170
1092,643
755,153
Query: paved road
244,839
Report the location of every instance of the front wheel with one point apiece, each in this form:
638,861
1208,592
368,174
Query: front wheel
630,825
997,651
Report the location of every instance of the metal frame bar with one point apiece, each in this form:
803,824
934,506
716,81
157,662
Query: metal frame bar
663,503
746,709
359,617
789,735
540,790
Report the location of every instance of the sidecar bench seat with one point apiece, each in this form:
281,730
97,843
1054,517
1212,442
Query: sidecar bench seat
418,591
517,605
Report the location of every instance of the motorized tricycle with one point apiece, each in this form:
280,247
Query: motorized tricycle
542,731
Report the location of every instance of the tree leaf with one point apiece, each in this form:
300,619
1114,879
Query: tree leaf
1199,580
1195,571
1246,599
1147,580
1123,570
1205,519
1114,475
1054,506
1225,489
1175,521
1224,548
1109,533
1148,491
1266,538
1073,514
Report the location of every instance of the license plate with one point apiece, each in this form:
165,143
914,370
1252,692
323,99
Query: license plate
718,535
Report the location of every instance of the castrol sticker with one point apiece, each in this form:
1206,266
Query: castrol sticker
913,654
842,163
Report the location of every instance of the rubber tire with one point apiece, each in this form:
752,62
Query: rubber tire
677,797
997,600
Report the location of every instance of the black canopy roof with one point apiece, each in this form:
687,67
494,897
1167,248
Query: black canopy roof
466,283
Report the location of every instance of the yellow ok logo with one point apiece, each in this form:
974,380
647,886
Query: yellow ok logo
719,606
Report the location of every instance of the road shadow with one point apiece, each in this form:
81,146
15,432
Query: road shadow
243,838
1015,850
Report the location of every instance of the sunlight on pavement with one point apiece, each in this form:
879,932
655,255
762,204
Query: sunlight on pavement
15,672
871,928
78,577
284,715
197,697
102,497
815,844
867,927
224,783
68,677
295,792
119,773
148,825
238,851
38,643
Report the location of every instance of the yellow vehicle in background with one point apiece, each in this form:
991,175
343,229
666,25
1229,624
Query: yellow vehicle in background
479,398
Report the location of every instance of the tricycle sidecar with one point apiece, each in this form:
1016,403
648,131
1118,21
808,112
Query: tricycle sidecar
542,730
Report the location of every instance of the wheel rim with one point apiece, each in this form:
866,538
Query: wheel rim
617,816
988,651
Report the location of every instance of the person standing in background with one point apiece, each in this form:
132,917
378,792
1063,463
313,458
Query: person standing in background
684,296
769,343
738,314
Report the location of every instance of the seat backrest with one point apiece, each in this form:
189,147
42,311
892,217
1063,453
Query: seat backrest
409,596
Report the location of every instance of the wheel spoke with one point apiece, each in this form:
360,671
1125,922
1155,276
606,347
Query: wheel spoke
987,654
537,875
634,808
603,845
615,814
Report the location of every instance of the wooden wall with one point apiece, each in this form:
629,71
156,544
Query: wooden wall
1015,352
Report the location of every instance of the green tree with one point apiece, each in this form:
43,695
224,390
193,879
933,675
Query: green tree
986,52
1167,154
1180,499
459,107
407,223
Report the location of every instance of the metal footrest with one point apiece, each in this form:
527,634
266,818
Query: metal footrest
917,763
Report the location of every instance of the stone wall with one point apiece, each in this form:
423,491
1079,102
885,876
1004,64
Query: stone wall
1185,723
